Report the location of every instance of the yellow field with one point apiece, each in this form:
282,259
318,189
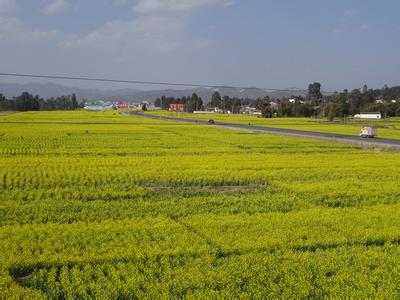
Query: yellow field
103,205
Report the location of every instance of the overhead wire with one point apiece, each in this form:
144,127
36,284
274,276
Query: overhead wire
163,83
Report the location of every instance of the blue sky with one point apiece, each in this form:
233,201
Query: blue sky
264,43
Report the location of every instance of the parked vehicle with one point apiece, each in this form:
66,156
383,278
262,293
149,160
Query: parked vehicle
368,132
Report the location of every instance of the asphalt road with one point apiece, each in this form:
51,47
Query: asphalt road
332,137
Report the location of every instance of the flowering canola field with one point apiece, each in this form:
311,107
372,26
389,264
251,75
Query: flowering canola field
102,205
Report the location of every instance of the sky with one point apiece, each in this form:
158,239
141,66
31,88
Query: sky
257,43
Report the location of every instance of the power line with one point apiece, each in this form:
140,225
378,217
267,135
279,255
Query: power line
148,82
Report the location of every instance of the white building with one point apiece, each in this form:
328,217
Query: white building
369,115
250,111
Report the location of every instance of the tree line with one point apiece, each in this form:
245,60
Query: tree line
28,102
345,103
191,103
194,102
313,104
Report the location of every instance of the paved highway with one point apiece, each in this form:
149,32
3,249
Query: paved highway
332,137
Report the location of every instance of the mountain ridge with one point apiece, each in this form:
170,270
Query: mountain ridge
48,90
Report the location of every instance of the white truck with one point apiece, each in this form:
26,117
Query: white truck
368,132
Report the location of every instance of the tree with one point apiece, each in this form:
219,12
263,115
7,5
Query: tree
27,102
314,92
225,103
235,105
75,104
164,103
355,101
195,99
397,112
6,104
344,108
333,110
216,100
284,108
157,103
192,103
264,105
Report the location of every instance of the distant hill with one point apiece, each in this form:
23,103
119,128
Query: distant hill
48,90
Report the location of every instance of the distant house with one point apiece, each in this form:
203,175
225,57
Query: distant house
292,100
379,101
177,107
250,111
94,108
273,104
394,101
122,105
369,115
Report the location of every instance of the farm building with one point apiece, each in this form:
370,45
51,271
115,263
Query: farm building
123,105
369,115
94,108
250,111
177,107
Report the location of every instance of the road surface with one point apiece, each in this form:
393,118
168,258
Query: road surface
332,137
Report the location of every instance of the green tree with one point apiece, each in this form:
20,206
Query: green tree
334,110
75,104
344,107
264,105
216,100
314,92
235,105
6,104
27,102
284,108
355,101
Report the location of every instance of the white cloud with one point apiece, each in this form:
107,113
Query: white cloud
120,2
162,6
337,31
56,6
150,31
158,25
201,43
349,14
13,29
7,6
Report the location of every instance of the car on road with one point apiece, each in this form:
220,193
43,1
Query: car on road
368,132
